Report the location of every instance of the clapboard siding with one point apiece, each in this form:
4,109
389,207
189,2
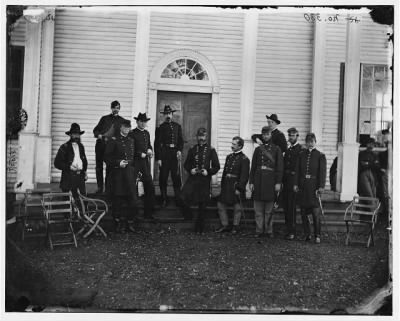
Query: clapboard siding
374,46
94,56
219,37
373,49
283,71
19,33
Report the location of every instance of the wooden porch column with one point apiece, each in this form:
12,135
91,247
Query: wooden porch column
43,159
318,79
30,102
349,148
141,65
250,36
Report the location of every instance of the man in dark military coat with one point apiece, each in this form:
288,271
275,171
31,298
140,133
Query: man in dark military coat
233,185
107,127
368,167
289,196
143,155
71,160
121,185
278,138
168,146
265,181
201,163
309,180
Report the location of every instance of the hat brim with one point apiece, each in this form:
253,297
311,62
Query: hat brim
136,118
164,112
275,120
80,133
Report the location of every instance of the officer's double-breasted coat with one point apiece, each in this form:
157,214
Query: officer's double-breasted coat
310,176
234,177
122,180
197,187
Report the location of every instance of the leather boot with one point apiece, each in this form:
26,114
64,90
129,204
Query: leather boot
178,200
164,197
306,224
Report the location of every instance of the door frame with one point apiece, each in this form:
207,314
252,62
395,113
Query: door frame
190,86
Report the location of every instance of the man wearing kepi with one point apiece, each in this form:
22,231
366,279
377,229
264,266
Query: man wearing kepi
309,181
289,196
143,155
168,147
107,127
121,185
265,181
71,160
233,185
201,163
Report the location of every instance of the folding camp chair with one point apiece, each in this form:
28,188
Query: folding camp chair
90,212
58,209
362,210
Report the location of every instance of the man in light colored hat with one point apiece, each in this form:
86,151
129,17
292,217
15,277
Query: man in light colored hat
168,146
143,155
71,160
289,196
265,181
107,127
121,185
201,163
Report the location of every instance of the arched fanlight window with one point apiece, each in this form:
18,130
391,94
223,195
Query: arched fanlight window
185,69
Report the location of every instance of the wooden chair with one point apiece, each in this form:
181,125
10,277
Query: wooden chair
59,211
362,210
90,213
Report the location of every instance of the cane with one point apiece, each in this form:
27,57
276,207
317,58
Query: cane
180,169
318,195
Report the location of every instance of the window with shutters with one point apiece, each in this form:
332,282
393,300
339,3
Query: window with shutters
185,69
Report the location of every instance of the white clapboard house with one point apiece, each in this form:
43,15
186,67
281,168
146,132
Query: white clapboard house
320,70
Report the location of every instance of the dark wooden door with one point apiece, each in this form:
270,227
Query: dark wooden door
193,111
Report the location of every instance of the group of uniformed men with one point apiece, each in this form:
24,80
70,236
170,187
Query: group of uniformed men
296,173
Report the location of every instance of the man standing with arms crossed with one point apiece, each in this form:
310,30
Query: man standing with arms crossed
168,146
107,127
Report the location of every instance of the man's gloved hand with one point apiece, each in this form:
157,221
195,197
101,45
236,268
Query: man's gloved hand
295,188
204,172
193,171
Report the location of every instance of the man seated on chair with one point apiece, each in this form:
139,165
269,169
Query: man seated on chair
71,160
309,181
121,185
233,185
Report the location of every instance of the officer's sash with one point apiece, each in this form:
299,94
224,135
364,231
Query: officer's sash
267,154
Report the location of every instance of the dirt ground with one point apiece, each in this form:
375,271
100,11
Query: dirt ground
181,271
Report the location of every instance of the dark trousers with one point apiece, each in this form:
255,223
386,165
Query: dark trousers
289,206
198,218
77,182
316,214
169,164
124,207
143,166
99,150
